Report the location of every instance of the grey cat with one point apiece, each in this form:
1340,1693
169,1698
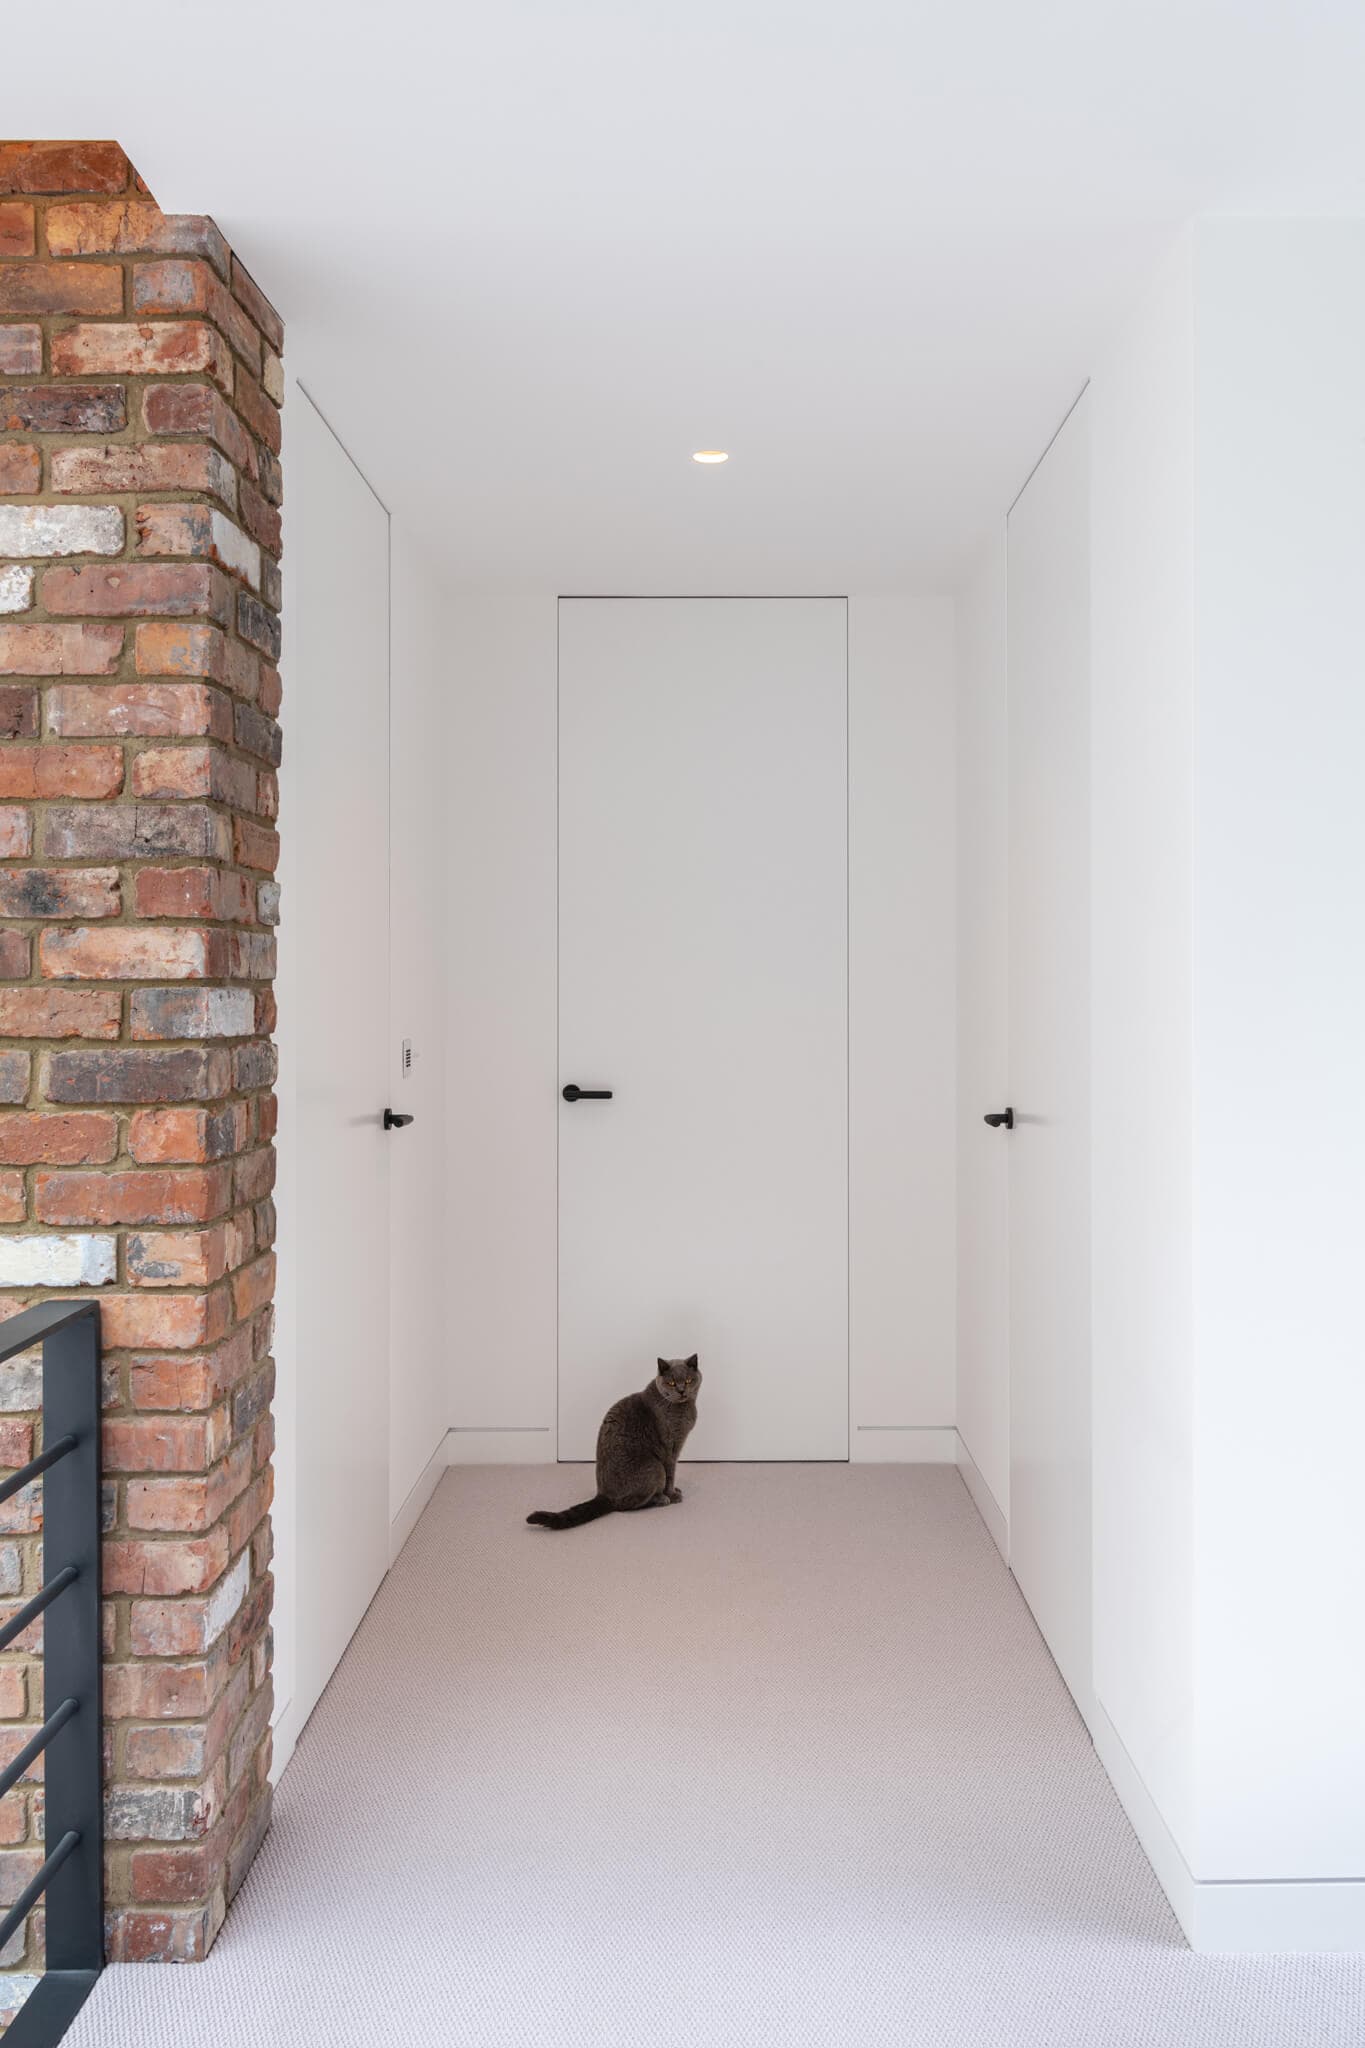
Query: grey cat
638,1447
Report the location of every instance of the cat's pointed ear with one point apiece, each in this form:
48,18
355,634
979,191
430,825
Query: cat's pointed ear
692,1360
663,1365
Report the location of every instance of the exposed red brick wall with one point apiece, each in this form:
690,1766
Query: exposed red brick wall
140,489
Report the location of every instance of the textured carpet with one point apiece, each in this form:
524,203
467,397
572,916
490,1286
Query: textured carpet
785,1764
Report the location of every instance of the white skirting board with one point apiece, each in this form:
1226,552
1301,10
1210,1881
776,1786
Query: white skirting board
419,1493
869,1444
1312,1916
500,1446
987,1506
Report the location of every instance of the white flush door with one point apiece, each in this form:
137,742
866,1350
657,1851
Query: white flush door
703,980
1049,1060
336,912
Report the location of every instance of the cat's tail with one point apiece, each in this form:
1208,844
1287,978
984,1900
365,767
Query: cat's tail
586,1511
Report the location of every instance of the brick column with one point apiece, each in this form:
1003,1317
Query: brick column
140,382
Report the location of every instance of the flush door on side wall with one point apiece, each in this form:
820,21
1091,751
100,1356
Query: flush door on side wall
1049,1027
336,908
703,932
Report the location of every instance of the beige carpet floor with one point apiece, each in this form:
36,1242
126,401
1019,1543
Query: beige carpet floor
785,1764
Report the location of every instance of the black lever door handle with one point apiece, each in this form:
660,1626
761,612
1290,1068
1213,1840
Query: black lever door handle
396,1120
1001,1119
573,1093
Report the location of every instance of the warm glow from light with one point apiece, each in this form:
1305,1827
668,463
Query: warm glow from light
712,455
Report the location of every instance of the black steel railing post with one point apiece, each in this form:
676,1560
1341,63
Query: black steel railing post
70,1878
74,1772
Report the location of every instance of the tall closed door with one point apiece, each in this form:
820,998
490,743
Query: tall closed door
703,982
336,912
1049,1059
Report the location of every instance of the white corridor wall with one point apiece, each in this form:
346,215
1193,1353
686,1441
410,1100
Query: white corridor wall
501,934
1227,1015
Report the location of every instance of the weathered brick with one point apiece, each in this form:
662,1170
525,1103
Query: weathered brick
63,409
52,167
186,1135
201,531
261,519
154,349
60,288
14,1079
255,622
250,295
141,1074
254,1066
140,1567
251,956
157,1813
15,955
182,648
16,837
16,588
272,583
254,1286
175,1750
21,473
18,708
45,650
18,231
258,846
173,466
79,1138
12,1196
157,1692
129,227
256,409
139,590
34,773
21,351
254,1175
59,892
59,1013
161,1935
61,530
191,1013
185,285
35,1260
139,710
131,831
178,1258
147,1195
195,892
257,734
194,770
170,1322
166,1443
199,409
127,953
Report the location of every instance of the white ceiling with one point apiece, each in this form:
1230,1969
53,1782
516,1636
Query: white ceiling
533,254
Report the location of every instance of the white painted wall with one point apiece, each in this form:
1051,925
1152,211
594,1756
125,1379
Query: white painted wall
902,1006
1142,727
982,1395
502,947
1229,1011
1279,1025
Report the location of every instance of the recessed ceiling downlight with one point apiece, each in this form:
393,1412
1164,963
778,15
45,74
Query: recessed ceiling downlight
712,455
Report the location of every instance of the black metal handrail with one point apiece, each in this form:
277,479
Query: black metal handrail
71,1875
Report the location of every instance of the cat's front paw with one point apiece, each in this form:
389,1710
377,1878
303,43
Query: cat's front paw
674,1493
